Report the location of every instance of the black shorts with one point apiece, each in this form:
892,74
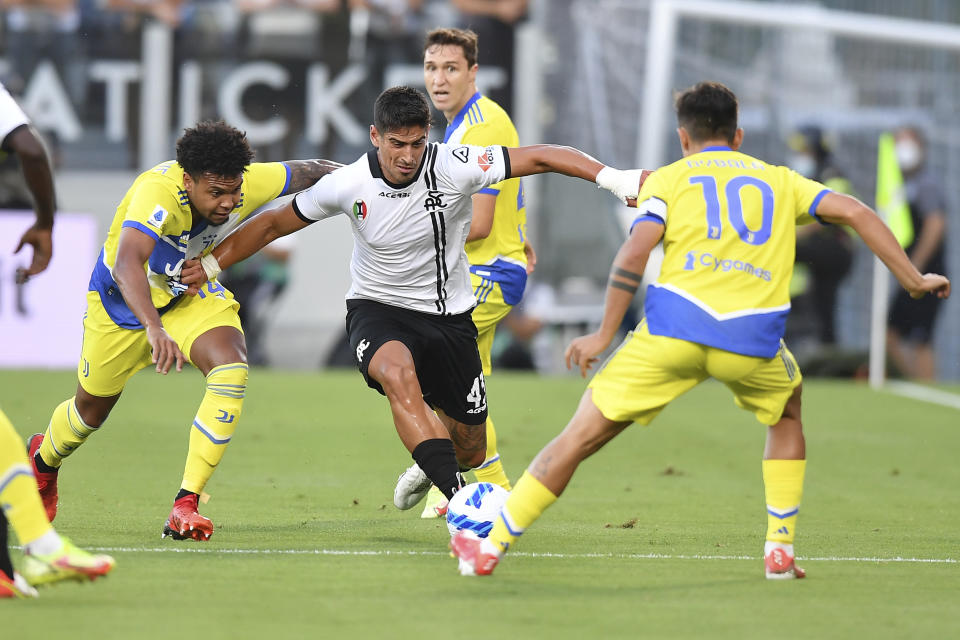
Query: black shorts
444,350
914,319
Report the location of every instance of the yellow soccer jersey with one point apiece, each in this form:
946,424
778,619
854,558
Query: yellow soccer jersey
729,242
500,255
157,205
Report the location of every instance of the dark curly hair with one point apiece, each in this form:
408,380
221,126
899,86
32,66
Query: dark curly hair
214,147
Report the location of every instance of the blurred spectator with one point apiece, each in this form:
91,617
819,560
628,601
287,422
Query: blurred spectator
256,283
910,333
170,12
295,34
495,22
384,32
824,252
39,30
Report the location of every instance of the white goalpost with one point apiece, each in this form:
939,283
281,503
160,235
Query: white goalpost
656,117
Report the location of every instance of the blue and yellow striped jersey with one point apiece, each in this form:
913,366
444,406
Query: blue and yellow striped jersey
500,255
157,205
729,242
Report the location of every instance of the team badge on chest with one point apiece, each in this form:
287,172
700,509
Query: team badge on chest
360,210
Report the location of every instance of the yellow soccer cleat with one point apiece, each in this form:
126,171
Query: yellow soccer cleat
435,506
69,562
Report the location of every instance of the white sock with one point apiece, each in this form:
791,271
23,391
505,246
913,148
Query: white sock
769,546
46,544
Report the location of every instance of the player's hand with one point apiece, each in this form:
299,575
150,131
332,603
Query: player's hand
164,351
193,275
931,283
625,185
583,351
531,257
42,242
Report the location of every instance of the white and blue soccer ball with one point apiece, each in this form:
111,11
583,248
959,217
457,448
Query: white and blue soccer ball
475,508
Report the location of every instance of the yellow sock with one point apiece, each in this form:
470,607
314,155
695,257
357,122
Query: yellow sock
492,469
18,488
783,485
215,423
528,500
65,433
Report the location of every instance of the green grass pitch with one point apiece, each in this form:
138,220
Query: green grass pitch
658,535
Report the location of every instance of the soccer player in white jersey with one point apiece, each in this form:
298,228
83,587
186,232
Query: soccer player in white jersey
49,557
718,309
497,249
408,307
137,315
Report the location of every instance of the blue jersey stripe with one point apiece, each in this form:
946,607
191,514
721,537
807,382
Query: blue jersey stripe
139,226
669,314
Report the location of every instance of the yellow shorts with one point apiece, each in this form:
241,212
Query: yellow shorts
111,354
648,372
486,316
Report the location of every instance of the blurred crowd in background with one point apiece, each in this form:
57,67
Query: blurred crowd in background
587,92
221,34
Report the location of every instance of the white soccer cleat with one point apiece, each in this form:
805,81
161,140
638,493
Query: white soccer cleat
412,485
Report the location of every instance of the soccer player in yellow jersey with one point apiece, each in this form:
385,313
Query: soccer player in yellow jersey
727,222
49,557
496,246
137,315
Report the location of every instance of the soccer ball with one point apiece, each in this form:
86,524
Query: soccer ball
475,508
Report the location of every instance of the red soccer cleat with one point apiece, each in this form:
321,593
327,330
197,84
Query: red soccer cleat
184,523
474,561
779,563
16,587
46,482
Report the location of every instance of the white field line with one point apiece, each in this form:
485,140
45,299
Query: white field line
516,554
922,393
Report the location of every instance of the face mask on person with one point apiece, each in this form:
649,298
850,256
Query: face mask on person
908,155
804,164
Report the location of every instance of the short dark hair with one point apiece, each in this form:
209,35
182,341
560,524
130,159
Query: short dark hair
708,111
214,147
400,108
463,38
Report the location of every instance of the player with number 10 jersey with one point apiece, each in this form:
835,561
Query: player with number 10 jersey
725,278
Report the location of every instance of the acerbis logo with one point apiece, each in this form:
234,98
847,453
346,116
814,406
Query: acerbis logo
393,194
360,210
462,154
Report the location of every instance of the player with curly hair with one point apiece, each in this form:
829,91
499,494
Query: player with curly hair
137,315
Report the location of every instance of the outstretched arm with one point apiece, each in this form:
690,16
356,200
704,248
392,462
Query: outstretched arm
303,173
250,237
838,208
628,267
541,158
25,142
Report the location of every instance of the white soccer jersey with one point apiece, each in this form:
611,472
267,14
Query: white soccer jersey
408,239
11,115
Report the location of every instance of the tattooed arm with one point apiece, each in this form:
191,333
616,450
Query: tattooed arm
303,173
624,281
